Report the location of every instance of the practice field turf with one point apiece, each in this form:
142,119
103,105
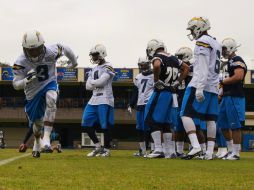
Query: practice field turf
72,170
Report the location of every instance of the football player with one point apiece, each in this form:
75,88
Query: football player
232,107
100,108
201,96
166,80
143,89
35,72
185,54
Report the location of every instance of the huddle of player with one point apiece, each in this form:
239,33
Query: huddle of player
178,95
185,98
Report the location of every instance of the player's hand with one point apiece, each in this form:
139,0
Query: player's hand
160,85
175,85
129,109
71,65
200,95
31,75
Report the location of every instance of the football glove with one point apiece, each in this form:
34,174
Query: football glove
129,109
200,95
31,75
160,85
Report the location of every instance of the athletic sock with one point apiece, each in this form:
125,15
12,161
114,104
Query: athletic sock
210,147
230,145
179,147
157,141
143,146
46,136
194,140
203,147
236,149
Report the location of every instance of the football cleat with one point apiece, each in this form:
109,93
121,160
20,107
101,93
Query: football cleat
156,154
222,152
104,153
36,154
208,157
233,157
139,153
193,153
171,156
180,155
95,152
47,149
58,148
22,148
227,155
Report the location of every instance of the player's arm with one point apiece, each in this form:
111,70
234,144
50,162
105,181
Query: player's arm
105,76
89,86
65,50
238,76
156,69
21,79
202,52
184,72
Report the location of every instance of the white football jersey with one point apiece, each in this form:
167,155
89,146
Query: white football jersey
208,46
102,95
145,87
46,70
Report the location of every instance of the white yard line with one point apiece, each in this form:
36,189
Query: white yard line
6,161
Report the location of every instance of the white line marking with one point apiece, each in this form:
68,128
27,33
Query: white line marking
6,161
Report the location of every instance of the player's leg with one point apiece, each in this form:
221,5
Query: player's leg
37,126
200,134
88,120
157,119
49,117
106,118
221,142
23,146
140,127
211,116
188,111
236,118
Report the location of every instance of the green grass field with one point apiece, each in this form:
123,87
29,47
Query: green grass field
72,170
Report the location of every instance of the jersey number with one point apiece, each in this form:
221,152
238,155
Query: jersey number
96,75
217,63
144,85
42,73
172,73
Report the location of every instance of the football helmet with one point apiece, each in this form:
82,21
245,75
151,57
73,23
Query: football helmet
97,53
152,46
197,26
144,65
33,46
184,53
229,46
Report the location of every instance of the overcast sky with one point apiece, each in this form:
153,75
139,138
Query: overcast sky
123,26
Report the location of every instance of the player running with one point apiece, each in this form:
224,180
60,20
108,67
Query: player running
35,72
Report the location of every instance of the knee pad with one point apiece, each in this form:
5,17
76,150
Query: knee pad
50,113
211,129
